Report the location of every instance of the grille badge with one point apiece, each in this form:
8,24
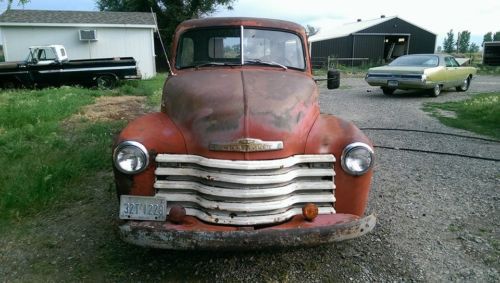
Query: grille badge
246,145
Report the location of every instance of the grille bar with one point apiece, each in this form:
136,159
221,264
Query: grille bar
245,192
249,205
245,164
244,179
250,219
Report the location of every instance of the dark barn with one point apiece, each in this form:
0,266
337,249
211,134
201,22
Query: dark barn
491,53
373,41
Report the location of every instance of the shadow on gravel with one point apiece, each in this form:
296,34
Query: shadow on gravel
407,94
358,259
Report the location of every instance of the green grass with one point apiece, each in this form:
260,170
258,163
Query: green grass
150,88
479,114
44,158
488,70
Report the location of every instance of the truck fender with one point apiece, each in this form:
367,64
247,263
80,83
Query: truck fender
158,134
331,134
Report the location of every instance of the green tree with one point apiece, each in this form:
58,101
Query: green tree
488,37
169,13
496,36
19,3
463,41
449,42
473,48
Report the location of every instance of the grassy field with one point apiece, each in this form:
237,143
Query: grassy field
480,114
46,155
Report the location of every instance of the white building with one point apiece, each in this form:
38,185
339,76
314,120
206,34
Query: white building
86,35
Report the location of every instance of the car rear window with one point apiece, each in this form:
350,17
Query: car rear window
416,60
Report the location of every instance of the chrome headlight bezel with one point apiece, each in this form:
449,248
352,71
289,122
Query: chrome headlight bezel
143,154
349,149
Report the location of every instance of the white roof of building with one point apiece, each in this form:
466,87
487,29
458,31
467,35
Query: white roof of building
350,28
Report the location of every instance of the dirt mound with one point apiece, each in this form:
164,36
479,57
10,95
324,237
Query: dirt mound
109,108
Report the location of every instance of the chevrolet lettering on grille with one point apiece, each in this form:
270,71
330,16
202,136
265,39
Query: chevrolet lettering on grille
247,145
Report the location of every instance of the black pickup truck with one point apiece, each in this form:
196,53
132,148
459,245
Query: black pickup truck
50,66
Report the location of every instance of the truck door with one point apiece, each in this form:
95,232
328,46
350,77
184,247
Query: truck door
44,66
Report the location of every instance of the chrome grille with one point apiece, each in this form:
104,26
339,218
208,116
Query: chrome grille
246,192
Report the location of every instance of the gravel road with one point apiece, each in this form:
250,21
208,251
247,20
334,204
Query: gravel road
438,215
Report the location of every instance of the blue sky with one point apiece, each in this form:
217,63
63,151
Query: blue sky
437,16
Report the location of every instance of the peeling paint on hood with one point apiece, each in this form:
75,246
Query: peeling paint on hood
224,105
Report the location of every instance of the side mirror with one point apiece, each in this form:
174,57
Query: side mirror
34,61
333,79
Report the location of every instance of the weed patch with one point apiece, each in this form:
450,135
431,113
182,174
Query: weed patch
478,114
45,159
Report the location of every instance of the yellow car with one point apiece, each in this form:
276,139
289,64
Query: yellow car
433,72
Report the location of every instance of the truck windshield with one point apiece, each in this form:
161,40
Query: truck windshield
222,47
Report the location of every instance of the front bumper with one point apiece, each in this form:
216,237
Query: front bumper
402,83
195,234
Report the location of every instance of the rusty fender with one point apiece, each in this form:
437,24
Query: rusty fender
200,235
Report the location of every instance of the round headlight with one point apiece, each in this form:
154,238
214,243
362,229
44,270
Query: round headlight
130,157
357,158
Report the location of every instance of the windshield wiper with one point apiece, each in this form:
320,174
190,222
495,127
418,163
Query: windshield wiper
268,63
206,64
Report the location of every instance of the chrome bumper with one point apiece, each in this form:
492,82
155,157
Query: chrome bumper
402,83
134,77
194,234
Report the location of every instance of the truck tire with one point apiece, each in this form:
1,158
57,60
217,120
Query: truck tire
333,79
106,81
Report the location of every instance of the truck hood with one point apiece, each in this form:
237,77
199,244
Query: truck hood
221,106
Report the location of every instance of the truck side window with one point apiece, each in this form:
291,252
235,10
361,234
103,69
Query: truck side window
46,54
41,55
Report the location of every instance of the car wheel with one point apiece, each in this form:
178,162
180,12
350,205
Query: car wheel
106,82
388,91
464,86
436,90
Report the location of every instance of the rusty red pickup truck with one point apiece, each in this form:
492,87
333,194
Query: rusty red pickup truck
240,157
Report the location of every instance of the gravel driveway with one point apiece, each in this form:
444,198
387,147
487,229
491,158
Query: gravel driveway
438,216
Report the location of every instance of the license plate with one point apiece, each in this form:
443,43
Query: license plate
392,83
143,208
